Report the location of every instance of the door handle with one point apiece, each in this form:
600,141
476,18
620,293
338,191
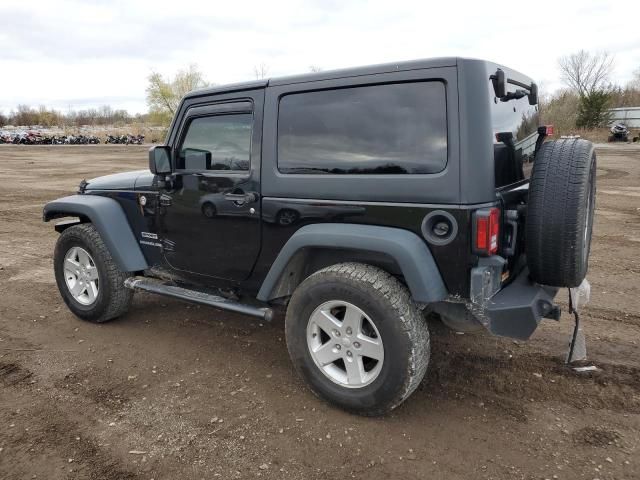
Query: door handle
241,198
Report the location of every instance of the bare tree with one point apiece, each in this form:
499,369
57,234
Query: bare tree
635,81
589,77
586,73
261,71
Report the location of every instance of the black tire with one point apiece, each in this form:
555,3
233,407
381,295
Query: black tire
113,299
402,329
209,210
560,212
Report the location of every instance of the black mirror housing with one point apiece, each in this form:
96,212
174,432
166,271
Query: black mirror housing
499,83
160,160
533,94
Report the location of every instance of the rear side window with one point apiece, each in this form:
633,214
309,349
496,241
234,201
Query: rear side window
379,129
515,131
221,142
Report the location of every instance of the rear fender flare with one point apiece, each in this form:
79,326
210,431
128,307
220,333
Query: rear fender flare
109,219
407,249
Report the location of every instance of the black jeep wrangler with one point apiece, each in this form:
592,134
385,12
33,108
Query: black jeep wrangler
360,199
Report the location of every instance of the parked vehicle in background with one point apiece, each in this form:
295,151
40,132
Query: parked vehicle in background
619,133
358,199
37,138
125,139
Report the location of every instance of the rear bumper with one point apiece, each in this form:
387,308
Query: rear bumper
513,311
516,310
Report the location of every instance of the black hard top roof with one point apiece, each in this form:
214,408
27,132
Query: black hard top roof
329,74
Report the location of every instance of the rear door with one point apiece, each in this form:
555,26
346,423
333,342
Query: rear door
210,219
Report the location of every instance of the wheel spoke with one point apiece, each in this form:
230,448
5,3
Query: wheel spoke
355,370
92,291
353,319
71,266
83,258
92,273
76,289
326,321
326,353
371,347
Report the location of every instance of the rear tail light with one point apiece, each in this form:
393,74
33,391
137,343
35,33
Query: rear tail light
487,231
545,130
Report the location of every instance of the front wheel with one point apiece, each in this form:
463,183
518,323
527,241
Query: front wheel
209,210
90,282
356,337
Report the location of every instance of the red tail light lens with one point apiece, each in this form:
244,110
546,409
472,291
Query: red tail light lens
487,228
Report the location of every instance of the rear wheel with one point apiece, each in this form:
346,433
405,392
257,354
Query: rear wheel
89,281
209,210
560,212
356,337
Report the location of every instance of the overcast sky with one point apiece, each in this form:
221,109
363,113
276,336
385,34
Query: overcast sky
80,54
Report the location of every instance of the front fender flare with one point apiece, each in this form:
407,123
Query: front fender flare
109,219
410,252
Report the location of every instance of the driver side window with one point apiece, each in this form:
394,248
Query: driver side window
220,142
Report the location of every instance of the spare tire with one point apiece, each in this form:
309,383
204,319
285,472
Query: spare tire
560,209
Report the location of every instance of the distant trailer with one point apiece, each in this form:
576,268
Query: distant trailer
630,116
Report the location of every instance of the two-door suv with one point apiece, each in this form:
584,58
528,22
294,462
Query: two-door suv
360,199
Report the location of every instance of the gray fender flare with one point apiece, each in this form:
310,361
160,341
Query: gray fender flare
109,219
409,251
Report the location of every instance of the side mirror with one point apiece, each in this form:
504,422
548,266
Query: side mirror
160,160
499,83
533,94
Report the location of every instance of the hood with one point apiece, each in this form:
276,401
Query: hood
116,181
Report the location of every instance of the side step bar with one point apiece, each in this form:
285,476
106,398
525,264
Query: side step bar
195,296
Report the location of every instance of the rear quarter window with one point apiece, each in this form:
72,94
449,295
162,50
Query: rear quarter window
376,129
515,131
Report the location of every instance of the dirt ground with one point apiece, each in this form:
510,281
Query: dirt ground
173,391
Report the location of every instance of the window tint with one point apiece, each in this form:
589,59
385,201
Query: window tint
221,142
515,131
379,129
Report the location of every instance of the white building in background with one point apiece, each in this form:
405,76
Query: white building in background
630,116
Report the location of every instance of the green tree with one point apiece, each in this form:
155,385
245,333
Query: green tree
588,75
164,94
593,110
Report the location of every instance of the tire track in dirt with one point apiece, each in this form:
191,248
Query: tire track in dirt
100,388
613,315
12,373
54,430
610,173
512,383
